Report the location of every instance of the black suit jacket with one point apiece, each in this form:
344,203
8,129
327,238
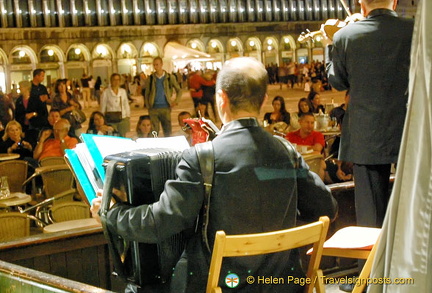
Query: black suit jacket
371,58
256,189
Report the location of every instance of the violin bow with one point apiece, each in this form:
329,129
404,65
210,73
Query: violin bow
345,6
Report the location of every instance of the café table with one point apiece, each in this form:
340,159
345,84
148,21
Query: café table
330,132
72,224
6,156
15,199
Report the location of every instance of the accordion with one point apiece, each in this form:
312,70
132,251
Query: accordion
141,175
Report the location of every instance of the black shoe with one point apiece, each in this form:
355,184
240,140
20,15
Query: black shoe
346,287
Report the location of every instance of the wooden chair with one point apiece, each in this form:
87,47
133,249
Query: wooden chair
67,211
354,242
365,273
263,243
16,171
52,161
13,225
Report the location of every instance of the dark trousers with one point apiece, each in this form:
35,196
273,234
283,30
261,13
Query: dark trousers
196,101
371,193
162,116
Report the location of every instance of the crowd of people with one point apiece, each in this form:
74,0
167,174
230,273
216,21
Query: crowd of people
308,76
161,92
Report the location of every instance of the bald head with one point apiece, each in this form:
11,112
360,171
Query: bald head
244,80
61,128
368,5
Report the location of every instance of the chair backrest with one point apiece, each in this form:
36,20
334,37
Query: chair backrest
56,179
68,211
16,171
13,225
52,161
270,242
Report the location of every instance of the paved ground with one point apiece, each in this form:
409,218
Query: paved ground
291,98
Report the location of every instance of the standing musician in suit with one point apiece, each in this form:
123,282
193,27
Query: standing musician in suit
259,185
371,58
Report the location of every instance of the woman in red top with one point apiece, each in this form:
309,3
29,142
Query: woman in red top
196,81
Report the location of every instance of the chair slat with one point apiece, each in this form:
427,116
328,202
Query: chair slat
253,244
264,243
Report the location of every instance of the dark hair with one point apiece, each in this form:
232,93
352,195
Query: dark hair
158,58
306,114
91,120
54,110
114,74
282,101
307,101
183,113
37,71
58,82
312,95
244,80
141,119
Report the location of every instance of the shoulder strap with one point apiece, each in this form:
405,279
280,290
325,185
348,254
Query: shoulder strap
292,152
150,83
117,251
206,162
169,80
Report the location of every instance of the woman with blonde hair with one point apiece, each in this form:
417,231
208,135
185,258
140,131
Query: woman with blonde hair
13,141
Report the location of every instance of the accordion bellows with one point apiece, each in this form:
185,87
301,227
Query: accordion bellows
142,175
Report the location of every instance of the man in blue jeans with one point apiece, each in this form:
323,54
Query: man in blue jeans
159,97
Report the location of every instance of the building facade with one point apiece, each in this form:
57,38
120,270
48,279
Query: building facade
70,37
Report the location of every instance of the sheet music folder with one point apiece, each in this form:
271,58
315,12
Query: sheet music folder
86,159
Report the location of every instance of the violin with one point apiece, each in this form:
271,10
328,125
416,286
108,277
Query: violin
331,26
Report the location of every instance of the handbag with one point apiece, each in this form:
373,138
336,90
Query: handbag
79,116
114,116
